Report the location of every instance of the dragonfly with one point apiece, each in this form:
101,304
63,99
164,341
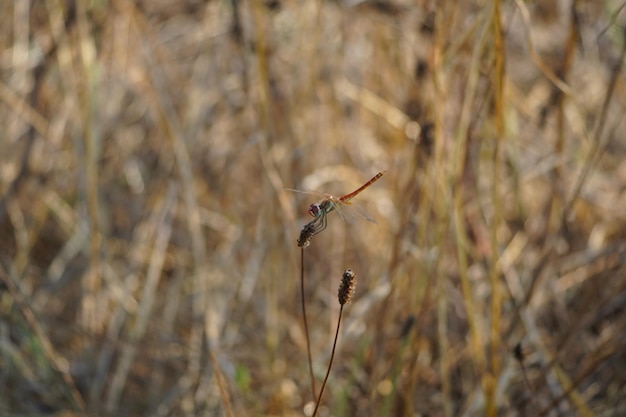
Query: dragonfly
347,211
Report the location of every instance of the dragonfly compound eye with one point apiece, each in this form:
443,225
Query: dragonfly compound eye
314,210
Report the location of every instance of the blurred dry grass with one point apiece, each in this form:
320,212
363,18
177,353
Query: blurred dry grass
148,248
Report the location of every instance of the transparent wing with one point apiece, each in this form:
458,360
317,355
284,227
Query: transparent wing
351,212
309,192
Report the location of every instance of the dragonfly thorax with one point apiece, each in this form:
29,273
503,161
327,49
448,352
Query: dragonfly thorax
318,209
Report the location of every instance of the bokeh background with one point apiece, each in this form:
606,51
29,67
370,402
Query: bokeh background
148,257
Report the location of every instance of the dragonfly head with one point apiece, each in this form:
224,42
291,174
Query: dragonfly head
315,210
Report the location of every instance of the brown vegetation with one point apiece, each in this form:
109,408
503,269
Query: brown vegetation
149,263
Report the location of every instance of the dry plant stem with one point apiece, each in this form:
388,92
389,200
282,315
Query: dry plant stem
23,109
57,362
262,57
556,376
330,363
494,275
221,384
92,279
440,201
565,66
167,332
460,153
19,178
169,123
306,325
602,354
145,232
594,364
377,105
28,112
598,146
527,382
561,85
129,350
592,158
520,355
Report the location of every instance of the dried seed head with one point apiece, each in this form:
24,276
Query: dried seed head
311,229
347,287
306,234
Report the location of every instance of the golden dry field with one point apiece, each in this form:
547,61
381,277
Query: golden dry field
149,263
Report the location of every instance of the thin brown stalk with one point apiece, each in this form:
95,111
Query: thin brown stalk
306,325
221,383
460,153
495,334
565,67
345,294
330,363
605,352
92,281
598,145
520,356
440,199
543,67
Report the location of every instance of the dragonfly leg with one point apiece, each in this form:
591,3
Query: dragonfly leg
321,220
310,229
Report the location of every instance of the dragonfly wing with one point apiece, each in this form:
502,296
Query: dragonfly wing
309,192
352,213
